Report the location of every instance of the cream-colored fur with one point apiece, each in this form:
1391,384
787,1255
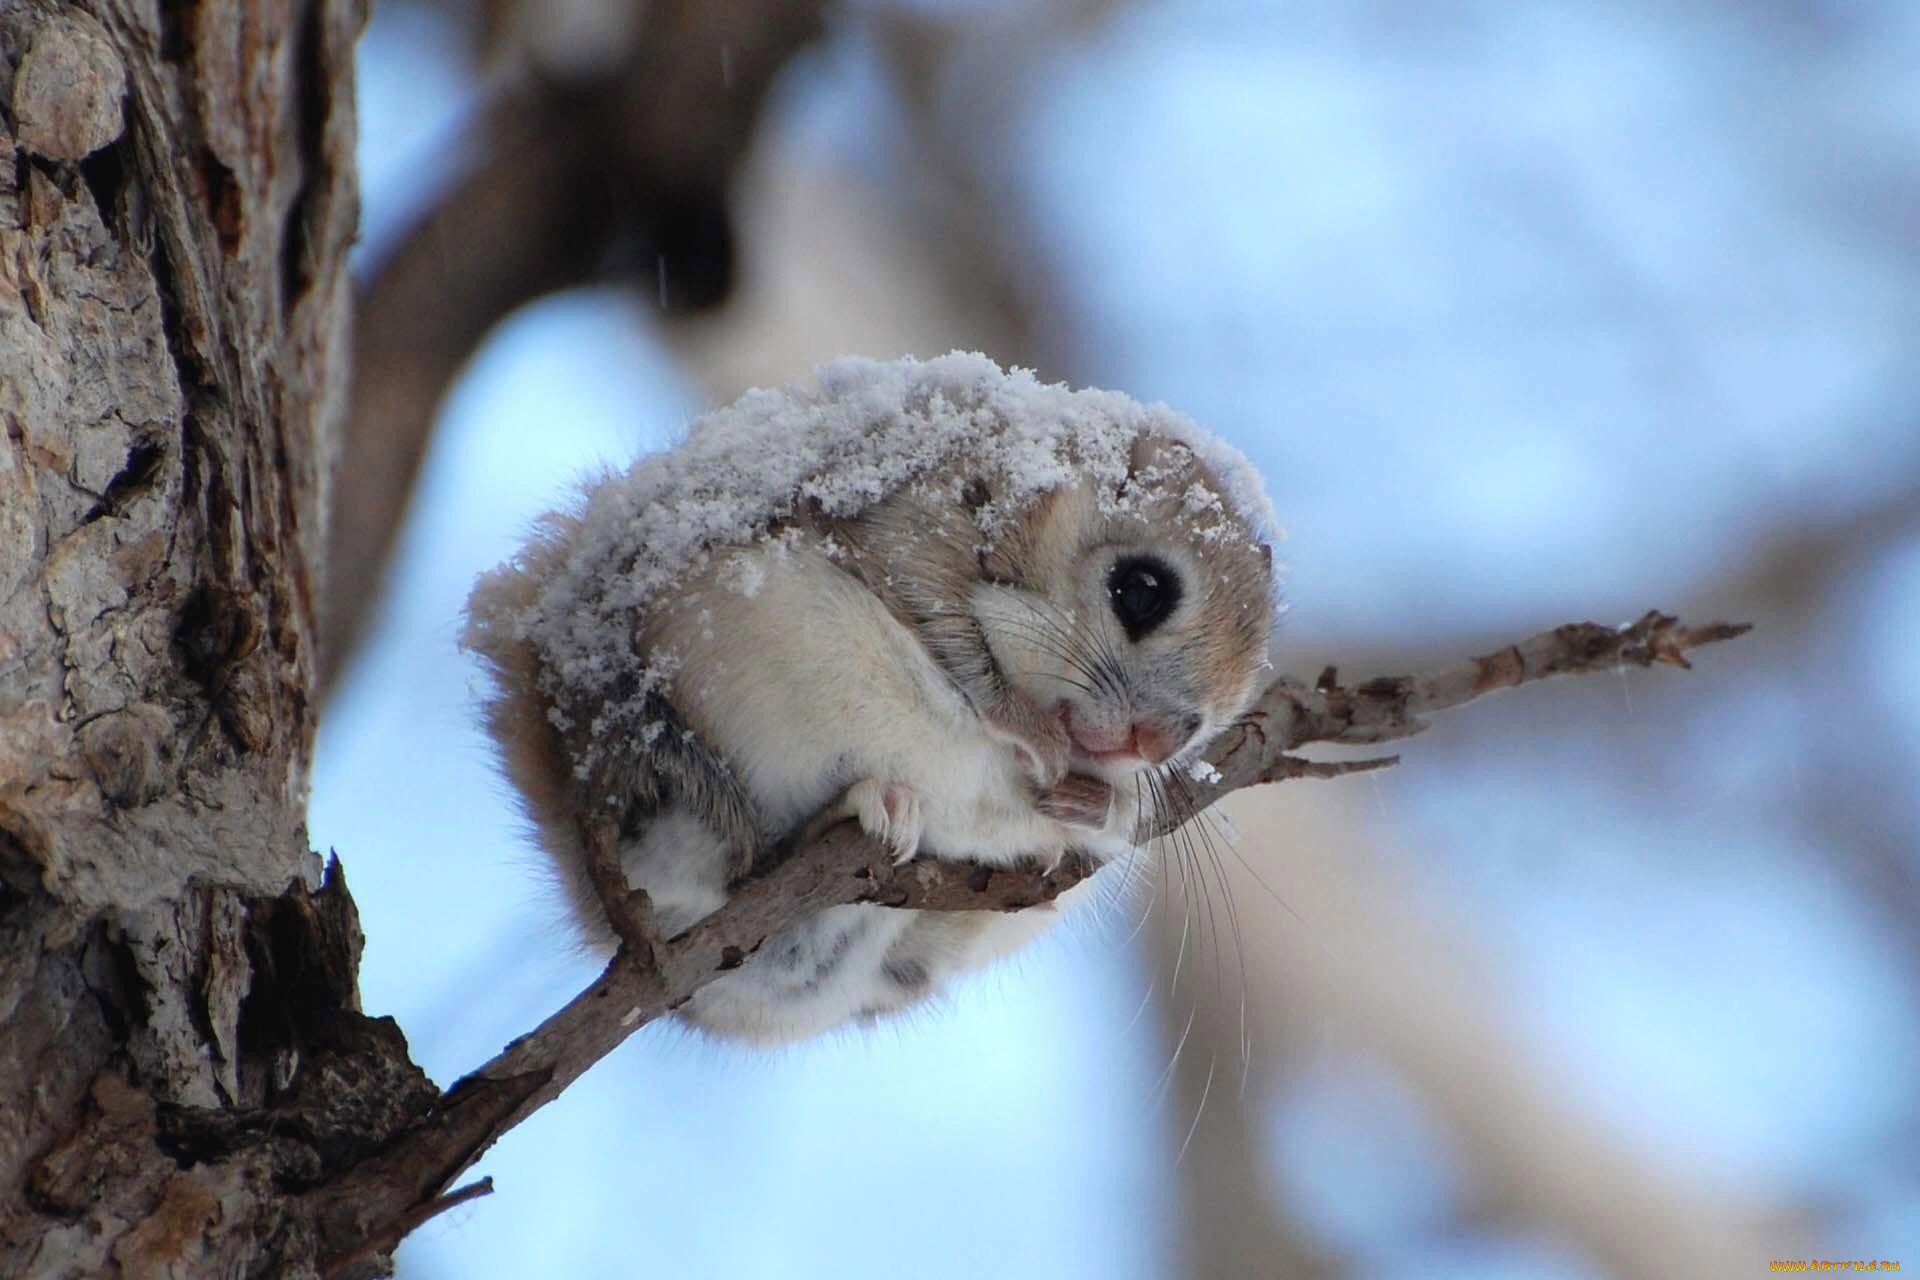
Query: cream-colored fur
817,693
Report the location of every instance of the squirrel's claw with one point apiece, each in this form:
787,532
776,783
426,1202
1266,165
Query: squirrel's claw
887,811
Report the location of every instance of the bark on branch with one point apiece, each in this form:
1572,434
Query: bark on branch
648,977
1291,714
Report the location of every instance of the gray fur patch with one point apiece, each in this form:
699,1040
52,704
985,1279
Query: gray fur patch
909,975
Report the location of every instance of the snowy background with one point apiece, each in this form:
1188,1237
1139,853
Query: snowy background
1529,313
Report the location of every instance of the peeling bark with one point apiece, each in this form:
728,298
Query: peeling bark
176,202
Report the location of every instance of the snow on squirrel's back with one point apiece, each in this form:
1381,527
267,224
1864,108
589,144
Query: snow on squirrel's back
861,431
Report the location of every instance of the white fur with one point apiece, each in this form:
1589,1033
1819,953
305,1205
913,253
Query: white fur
812,690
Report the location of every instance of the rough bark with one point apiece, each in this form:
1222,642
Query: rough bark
176,202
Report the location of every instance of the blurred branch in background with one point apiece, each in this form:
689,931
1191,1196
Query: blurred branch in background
1793,576
622,172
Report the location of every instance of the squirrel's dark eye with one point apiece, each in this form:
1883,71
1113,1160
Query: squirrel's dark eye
1143,591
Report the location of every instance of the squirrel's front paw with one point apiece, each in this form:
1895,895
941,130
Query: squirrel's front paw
1038,739
887,811
1079,801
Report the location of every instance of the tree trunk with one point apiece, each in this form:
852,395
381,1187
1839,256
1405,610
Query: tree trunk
181,1055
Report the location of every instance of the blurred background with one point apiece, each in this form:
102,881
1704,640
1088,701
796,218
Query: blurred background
1529,313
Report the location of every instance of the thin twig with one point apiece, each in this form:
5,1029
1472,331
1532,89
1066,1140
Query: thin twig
404,1226
843,866
629,910
1291,715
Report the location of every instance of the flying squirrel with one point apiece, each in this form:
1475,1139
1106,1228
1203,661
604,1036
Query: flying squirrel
989,618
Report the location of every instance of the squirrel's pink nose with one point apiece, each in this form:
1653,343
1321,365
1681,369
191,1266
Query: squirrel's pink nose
1156,743
1142,740
1151,742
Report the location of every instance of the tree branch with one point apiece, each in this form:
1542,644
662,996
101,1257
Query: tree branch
1291,715
401,1229
625,176
647,979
